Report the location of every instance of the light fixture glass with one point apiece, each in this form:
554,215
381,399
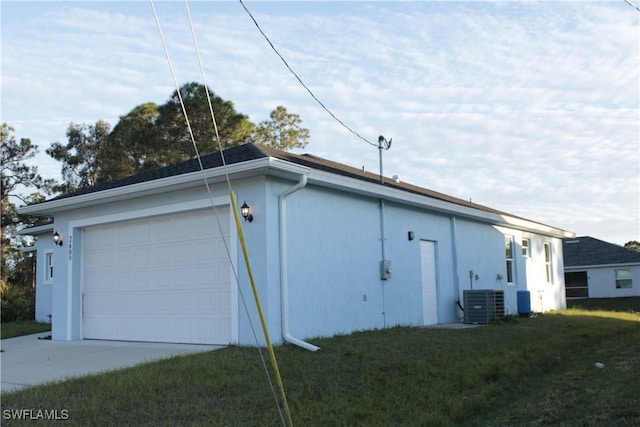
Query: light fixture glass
57,238
245,211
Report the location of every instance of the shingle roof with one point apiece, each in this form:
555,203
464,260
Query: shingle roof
586,250
233,155
252,151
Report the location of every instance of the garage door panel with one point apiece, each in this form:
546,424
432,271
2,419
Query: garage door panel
168,281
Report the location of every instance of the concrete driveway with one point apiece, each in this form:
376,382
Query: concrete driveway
26,361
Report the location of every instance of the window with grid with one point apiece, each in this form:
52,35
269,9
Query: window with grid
547,261
48,270
508,247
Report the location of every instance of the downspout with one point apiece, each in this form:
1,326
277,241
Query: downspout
284,272
454,250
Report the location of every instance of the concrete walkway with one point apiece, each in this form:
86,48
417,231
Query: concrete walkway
26,361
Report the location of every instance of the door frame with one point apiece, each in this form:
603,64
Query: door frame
432,246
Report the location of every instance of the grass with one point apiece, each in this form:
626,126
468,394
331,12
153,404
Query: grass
24,327
627,304
518,372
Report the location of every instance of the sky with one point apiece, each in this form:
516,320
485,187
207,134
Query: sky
529,107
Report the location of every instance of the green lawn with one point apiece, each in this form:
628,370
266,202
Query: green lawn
519,372
628,304
24,327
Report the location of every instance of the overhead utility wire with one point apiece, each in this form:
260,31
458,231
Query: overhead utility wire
300,80
283,396
226,173
211,196
632,5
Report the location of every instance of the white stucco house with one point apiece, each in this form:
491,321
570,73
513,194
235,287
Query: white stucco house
146,258
597,269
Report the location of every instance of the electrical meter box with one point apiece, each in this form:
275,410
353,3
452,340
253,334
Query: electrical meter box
385,269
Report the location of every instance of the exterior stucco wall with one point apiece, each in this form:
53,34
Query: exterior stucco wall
333,252
602,281
333,256
44,287
545,295
481,257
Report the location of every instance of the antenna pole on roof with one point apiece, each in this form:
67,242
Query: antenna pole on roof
385,265
383,143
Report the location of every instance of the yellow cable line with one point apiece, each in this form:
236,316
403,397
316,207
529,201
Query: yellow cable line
240,230
265,329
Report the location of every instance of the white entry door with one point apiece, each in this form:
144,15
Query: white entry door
429,284
160,279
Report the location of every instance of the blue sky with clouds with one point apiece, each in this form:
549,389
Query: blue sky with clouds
530,107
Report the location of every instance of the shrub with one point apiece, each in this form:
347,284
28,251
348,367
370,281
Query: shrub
17,304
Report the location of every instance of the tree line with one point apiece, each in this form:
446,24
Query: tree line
150,136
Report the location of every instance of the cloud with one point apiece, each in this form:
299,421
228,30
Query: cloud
529,107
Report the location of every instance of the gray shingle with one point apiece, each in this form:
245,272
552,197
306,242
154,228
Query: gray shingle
587,250
252,151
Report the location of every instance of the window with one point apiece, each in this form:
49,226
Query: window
547,261
623,279
48,269
525,248
508,247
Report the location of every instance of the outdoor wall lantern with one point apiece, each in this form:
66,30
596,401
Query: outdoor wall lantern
57,238
245,210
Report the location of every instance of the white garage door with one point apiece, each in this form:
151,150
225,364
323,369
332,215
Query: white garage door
161,279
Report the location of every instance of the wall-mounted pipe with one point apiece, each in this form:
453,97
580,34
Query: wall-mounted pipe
284,269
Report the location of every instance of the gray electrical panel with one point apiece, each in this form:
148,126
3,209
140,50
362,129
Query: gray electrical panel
483,306
385,269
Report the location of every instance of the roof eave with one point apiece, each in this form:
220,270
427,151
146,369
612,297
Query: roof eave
248,169
32,231
401,196
281,168
612,265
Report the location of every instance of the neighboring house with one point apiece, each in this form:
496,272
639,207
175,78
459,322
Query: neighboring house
597,269
146,259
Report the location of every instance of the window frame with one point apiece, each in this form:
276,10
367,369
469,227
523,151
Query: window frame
526,247
509,259
548,261
49,263
626,280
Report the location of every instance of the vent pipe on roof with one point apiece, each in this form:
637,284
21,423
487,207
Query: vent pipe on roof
284,272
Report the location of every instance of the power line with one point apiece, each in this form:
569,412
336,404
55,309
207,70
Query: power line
632,5
184,111
300,80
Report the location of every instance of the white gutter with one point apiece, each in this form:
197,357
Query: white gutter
39,229
284,274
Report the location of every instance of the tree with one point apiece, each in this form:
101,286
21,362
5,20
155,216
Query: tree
133,145
283,131
151,136
15,172
233,128
633,245
82,155
16,269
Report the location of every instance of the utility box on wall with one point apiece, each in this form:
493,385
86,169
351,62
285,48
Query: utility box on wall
483,306
385,269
